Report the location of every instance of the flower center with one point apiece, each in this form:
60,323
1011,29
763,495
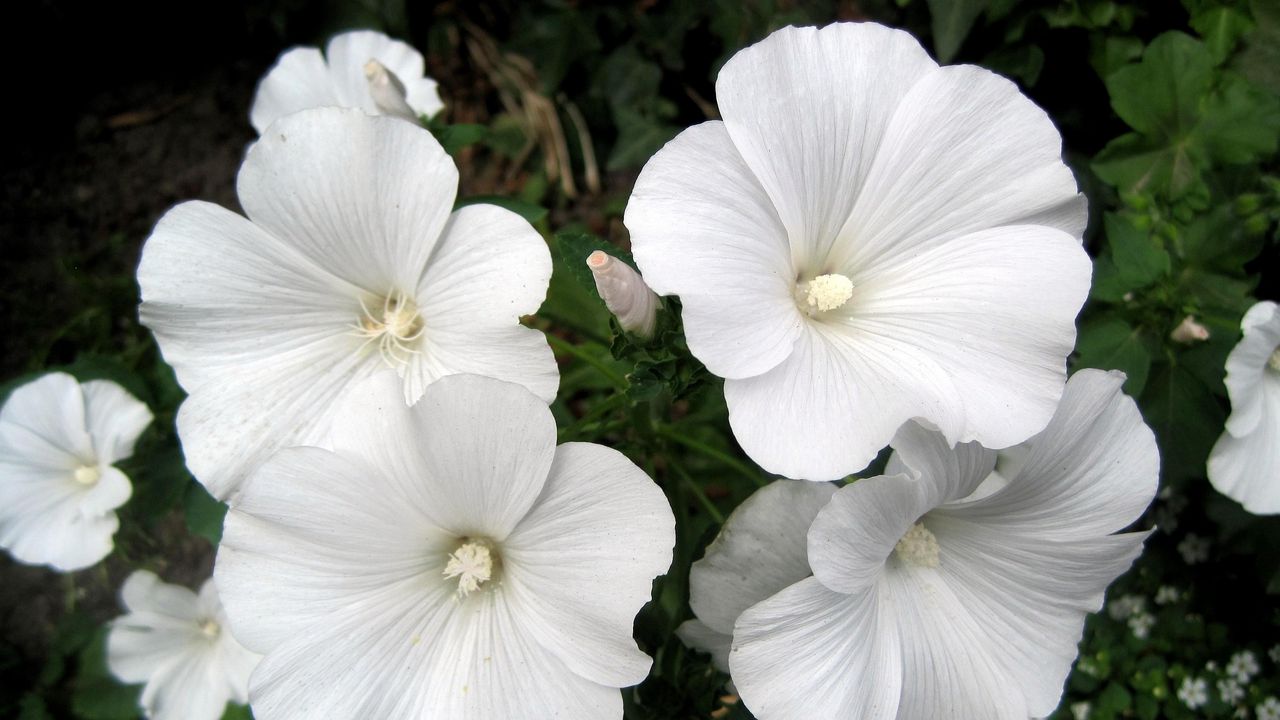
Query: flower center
472,563
88,474
825,292
1274,361
918,547
210,629
394,325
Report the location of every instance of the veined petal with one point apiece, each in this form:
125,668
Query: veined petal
299,80
43,422
364,198
188,688
703,228
807,109
114,419
1247,469
809,652
761,549
1247,367
581,564
1091,472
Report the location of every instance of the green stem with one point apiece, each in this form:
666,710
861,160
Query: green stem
702,498
723,457
569,348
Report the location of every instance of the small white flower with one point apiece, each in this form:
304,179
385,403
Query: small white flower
1189,331
445,561
1274,653
930,597
1141,623
364,69
1230,690
1080,710
873,238
351,259
1245,465
1167,595
624,293
1194,549
1193,692
1268,709
1243,666
1125,606
179,644
59,488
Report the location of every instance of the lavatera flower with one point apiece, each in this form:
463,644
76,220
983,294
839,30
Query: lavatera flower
1245,463
59,487
944,589
867,238
360,69
350,261
444,561
178,643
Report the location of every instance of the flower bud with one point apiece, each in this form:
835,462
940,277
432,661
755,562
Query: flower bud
624,293
387,91
1189,331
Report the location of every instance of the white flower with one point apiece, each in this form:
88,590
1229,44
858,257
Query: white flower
1194,692
865,239
179,644
1189,331
1230,690
59,442
365,70
1080,710
1268,709
1243,666
447,561
1194,549
624,293
1245,464
1167,595
1125,606
929,599
1141,623
350,260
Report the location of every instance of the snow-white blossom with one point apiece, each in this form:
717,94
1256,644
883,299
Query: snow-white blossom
867,238
360,69
624,293
1268,709
929,599
351,259
1080,710
1243,666
1245,463
1167,595
1230,690
59,487
1194,692
178,643
1194,549
446,561
1125,606
1141,623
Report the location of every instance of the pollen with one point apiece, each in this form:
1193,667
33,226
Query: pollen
918,547
828,292
88,474
394,325
472,564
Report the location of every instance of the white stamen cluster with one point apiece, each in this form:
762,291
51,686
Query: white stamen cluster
472,564
396,329
918,547
828,292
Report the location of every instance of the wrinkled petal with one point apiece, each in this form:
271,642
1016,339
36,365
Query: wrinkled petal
808,652
761,549
42,521
1247,469
299,80
363,198
1247,367
581,564
114,419
43,422
703,228
1092,471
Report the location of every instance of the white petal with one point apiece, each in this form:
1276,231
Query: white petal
348,53
807,108
111,491
143,592
160,626
1247,366
1092,471
43,424
761,549
114,419
703,228
1247,469
299,80
697,635
809,652
188,689
43,519
964,152
363,198
581,564
489,269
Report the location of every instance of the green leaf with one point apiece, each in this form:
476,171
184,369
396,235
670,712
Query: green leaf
456,137
1241,123
1222,29
952,20
237,712
1186,418
1110,343
95,694
1259,61
1112,53
159,482
204,513
1138,257
1135,164
639,138
1160,96
574,248
528,211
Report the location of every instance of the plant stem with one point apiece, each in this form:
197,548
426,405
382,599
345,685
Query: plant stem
569,348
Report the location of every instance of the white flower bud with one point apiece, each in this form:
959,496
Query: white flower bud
624,293
387,91
1189,331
